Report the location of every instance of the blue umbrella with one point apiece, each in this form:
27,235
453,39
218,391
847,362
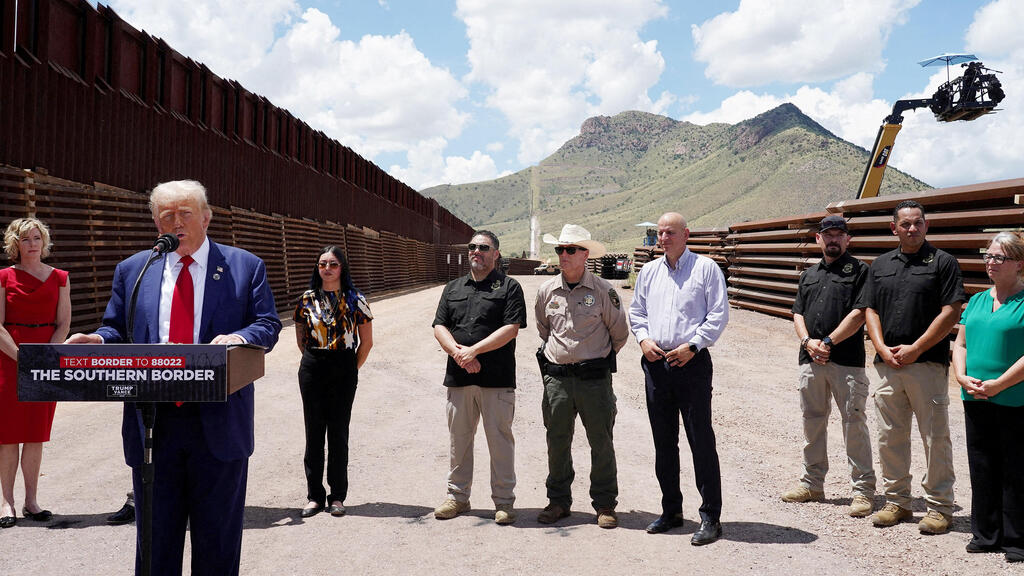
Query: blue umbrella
948,59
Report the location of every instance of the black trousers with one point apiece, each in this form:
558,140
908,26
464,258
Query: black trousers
327,383
193,489
685,390
996,462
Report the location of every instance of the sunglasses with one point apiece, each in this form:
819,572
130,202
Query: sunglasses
480,247
570,250
322,265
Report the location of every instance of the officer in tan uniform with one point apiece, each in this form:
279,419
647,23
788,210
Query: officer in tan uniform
583,324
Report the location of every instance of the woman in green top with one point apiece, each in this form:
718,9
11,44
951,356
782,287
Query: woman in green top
988,361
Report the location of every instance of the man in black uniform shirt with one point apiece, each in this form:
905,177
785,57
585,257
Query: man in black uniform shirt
477,321
831,332
912,299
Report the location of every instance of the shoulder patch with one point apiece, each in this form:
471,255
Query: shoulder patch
614,297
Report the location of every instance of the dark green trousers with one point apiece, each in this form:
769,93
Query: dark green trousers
594,401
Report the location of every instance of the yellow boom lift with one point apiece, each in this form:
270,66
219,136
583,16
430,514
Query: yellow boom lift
974,94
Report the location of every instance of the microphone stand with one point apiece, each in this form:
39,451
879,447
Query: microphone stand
148,421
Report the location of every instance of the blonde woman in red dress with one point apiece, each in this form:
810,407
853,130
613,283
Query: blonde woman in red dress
35,306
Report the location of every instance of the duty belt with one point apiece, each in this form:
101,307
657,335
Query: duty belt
596,368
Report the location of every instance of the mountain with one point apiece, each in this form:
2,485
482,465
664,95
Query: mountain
634,166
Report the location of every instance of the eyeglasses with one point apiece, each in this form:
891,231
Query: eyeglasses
995,258
332,264
480,247
570,250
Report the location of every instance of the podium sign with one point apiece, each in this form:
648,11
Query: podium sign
135,372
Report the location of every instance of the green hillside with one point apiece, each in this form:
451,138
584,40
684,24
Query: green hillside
634,166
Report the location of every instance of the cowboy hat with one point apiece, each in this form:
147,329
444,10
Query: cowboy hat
573,235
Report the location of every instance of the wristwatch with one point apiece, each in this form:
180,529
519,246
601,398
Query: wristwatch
693,347
803,343
826,341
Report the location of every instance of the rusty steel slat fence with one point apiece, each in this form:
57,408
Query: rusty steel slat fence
89,98
94,227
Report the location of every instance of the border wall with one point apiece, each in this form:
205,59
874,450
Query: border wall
93,227
86,97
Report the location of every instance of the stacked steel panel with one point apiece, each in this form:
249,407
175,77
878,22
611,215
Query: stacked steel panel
767,257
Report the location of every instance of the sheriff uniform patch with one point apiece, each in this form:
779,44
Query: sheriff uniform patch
614,297
588,299
848,268
496,285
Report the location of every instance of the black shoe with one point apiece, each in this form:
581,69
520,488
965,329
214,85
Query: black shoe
665,523
310,511
709,531
8,521
41,516
1014,556
123,516
974,548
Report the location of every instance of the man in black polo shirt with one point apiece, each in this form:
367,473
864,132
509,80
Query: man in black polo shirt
476,323
912,299
831,332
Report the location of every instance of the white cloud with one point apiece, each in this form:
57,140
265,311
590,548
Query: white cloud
848,110
427,166
791,41
550,65
996,30
377,95
229,36
495,146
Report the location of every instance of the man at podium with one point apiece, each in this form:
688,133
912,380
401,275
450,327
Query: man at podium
201,293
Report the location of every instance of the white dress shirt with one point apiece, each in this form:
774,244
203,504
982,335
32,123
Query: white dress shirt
677,305
172,267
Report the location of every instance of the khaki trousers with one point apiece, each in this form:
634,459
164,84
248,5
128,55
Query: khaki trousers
919,390
466,405
848,386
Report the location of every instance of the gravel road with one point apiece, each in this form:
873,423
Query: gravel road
399,460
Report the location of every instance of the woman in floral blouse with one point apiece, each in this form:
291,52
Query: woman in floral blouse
334,333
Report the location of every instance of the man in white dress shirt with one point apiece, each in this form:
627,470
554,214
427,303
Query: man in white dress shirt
679,309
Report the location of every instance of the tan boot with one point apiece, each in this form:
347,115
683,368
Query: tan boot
891,515
606,518
934,522
450,508
803,494
861,506
504,514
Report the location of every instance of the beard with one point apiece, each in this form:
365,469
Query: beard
833,250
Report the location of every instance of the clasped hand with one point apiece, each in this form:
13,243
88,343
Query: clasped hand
465,357
676,357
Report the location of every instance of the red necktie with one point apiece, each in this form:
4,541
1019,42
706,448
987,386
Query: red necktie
182,308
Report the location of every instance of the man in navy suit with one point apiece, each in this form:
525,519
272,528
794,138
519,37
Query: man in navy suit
201,450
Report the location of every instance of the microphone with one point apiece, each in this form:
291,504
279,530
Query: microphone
165,243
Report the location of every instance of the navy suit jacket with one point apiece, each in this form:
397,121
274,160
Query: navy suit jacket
238,301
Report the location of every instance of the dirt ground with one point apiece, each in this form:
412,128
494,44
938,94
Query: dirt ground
399,456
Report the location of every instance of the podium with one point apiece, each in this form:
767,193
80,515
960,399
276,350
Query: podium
142,373
136,372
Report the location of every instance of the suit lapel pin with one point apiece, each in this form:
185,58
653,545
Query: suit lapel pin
216,276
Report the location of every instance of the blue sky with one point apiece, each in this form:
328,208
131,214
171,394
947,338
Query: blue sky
466,90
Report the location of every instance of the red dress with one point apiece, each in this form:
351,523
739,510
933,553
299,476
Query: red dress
30,315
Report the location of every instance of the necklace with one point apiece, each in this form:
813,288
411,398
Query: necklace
327,307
